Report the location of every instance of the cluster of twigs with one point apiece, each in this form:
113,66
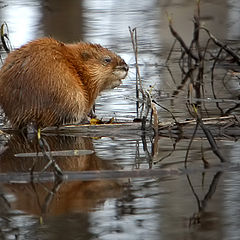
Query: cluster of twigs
192,64
194,58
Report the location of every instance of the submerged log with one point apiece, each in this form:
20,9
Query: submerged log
220,127
228,126
123,129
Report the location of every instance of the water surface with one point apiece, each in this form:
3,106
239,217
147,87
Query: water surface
194,204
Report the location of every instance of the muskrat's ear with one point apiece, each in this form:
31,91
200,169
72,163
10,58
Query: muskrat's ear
85,55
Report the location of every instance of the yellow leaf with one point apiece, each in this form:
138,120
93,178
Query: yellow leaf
95,121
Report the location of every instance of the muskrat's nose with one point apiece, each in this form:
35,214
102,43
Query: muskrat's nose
125,67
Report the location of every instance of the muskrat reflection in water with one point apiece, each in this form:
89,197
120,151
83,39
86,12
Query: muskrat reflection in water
68,196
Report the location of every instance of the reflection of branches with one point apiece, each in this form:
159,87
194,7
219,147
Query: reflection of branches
137,155
145,149
44,146
189,145
44,207
50,196
168,154
202,204
149,154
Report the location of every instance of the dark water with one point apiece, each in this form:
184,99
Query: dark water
168,203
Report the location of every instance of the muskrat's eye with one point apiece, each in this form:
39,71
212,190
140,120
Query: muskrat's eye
107,59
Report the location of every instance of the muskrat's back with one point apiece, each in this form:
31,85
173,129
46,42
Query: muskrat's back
49,83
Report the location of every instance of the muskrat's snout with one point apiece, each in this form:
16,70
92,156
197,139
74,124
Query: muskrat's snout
123,69
124,65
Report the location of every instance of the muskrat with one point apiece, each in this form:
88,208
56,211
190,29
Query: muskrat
50,83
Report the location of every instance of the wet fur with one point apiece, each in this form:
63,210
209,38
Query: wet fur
50,83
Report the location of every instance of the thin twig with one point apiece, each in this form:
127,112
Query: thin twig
139,87
224,46
182,43
190,143
170,52
174,118
211,140
212,79
183,82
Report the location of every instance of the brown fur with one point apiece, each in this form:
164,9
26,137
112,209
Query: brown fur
49,83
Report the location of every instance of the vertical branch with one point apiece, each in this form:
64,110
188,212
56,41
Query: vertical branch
146,100
133,34
195,41
182,43
212,80
134,50
197,30
137,67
